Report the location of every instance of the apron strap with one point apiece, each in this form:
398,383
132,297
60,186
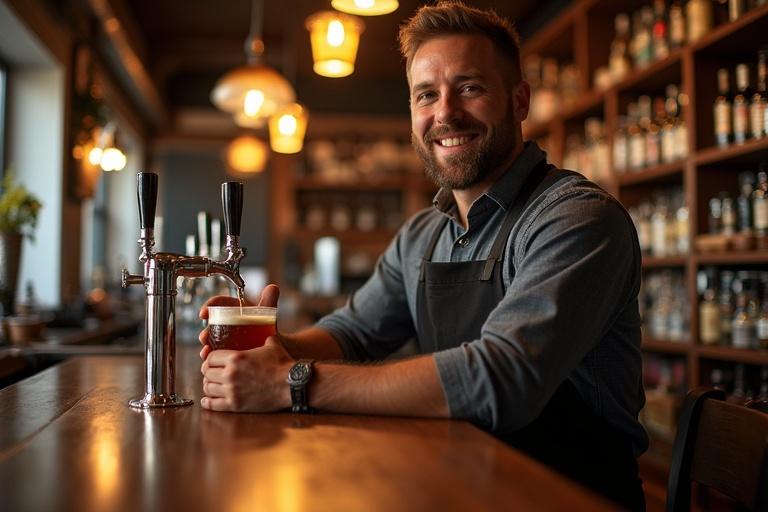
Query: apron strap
541,178
431,247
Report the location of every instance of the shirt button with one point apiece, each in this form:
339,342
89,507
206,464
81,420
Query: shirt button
463,241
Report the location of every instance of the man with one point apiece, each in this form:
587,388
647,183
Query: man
520,285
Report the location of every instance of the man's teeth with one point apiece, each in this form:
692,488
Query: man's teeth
453,141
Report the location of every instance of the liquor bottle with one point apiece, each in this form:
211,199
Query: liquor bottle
709,318
722,110
743,328
659,246
725,302
642,37
682,226
729,216
660,30
676,25
619,61
636,135
653,133
715,220
669,134
700,16
548,95
744,203
758,105
620,149
644,229
760,210
741,128
721,13
736,9
762,320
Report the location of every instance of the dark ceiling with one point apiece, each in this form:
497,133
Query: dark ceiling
187,45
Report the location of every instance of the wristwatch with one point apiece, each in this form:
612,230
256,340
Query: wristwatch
298,378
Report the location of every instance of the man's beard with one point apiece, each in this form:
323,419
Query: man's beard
471,167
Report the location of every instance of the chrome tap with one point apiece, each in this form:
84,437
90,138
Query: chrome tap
159,279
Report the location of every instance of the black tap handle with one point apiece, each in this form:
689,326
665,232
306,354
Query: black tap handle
147,192
232,201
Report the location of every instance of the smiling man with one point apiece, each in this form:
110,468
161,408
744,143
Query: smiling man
519,285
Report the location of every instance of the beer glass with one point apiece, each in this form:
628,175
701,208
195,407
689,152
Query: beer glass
236,328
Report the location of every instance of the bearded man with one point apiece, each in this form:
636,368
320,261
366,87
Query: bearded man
519,285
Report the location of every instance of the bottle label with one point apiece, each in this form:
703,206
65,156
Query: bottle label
681,134
637,152
620,154
760,207
756,118
652,148
742,335
668,141
740,121
723,119
762,329
709,318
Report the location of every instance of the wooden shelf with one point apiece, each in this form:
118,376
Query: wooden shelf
654,76
652,174
748,152
666,347
737,355
662,262
733,36
589,104
732,258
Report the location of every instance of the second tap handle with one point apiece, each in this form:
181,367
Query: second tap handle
232,201
147,192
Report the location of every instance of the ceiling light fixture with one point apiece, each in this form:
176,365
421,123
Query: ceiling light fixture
334,37
365,7
253,92
287,127
246,154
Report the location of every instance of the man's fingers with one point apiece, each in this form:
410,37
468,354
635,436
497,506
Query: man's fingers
213,389
203,336
269,296
215,375
205,351
215,404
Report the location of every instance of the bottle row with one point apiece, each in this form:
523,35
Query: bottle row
665,309
741,114
553,86
733,308
661,27
746,215
344,211
662,224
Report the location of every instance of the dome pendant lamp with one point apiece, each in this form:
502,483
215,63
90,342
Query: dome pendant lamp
365,7
253,92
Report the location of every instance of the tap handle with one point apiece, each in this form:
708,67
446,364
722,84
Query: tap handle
232,201
147,192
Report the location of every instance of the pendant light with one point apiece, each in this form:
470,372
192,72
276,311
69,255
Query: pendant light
287,127
247,155
253,92
334,37
365,7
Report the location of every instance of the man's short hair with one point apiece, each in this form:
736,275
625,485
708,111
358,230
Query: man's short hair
454,18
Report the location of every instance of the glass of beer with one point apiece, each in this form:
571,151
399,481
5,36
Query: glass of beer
236,328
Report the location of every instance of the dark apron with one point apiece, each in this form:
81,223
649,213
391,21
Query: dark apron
567,435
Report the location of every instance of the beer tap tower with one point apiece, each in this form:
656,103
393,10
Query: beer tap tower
159,279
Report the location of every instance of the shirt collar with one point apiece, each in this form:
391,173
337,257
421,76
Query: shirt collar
506,188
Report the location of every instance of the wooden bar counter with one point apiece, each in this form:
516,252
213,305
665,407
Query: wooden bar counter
69,441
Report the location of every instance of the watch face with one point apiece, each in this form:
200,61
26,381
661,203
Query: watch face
299,373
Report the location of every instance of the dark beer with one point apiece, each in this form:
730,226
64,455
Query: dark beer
233,328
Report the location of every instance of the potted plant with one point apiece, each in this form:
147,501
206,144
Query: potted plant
19,209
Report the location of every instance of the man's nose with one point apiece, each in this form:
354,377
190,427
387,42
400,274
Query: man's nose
448,109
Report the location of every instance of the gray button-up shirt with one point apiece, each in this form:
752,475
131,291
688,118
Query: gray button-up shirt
571,271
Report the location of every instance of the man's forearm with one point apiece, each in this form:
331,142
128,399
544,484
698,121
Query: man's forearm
312,343
408,387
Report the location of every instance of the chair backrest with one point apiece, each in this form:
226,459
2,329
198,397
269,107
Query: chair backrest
722,446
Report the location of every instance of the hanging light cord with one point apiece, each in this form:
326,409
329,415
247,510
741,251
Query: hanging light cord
254,45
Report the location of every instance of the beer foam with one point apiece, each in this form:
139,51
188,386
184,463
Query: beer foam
232,316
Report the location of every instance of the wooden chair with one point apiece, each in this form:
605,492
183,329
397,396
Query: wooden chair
721,446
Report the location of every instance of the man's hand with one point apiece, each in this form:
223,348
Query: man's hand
248,380
269,296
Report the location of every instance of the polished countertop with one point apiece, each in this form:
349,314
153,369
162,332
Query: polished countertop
69,441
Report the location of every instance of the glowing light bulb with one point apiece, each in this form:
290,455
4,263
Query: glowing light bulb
253,102
287,124
364,4
335,35
95,156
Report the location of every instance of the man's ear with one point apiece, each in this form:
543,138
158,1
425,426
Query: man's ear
521,100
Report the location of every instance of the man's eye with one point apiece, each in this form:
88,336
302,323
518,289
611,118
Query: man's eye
425,97
470,89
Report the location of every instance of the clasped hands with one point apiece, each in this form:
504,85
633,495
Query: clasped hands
248,380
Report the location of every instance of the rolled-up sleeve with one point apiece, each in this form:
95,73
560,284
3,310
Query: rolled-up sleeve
576,267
